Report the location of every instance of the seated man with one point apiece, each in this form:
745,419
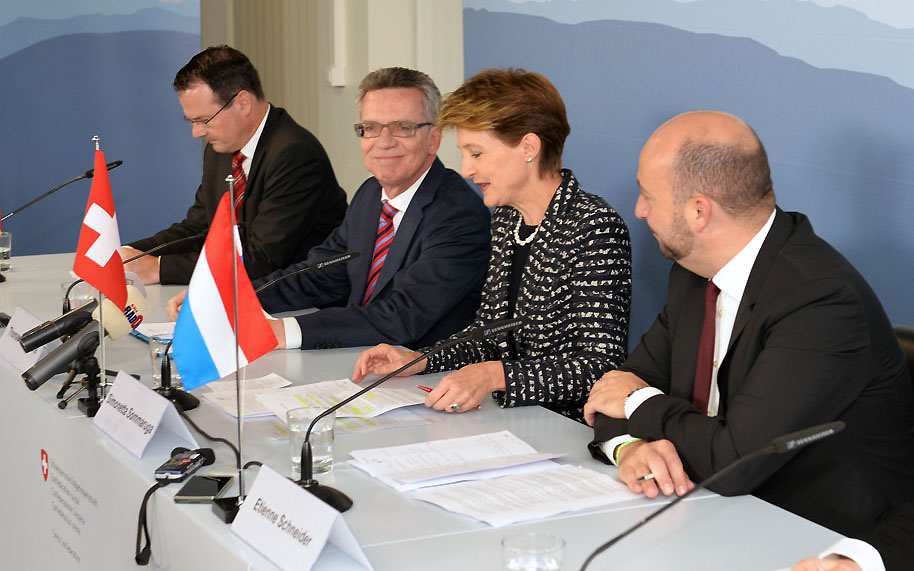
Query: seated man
286,195
419,274
794,338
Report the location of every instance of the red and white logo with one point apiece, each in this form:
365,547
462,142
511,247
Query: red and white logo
44,464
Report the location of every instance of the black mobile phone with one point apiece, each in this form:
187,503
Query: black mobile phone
203,489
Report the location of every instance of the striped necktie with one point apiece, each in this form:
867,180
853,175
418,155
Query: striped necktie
240,182
381,247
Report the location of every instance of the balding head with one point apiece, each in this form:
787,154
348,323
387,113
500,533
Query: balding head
717,155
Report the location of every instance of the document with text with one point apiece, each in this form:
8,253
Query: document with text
524,497
443,461
329,393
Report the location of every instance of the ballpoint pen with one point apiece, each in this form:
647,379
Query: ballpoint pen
429,389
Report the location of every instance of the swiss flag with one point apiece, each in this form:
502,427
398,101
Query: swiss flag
98,261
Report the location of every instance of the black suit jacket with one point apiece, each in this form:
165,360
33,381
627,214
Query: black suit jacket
429,285
894,540
811,344
292,201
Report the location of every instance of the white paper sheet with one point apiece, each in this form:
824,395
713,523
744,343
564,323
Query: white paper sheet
329,393
222,394
540,494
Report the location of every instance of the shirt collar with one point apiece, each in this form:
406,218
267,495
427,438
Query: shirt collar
248,149
732,278
402,200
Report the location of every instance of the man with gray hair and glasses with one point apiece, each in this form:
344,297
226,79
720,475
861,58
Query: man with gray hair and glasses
422,234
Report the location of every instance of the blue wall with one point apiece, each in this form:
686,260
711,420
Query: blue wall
840,141
72,69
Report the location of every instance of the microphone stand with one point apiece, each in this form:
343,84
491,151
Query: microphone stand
181,398
337,499
779,445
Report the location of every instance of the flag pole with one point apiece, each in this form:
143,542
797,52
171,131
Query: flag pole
103,383
230,179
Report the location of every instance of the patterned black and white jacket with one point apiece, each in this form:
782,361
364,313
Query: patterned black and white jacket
575,291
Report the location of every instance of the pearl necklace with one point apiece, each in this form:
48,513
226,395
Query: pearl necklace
529,238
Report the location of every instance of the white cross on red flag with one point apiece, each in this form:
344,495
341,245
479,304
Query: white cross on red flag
98,260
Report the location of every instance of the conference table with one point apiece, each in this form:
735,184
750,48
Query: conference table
81,513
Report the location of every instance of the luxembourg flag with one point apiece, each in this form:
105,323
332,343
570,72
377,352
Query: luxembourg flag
204,339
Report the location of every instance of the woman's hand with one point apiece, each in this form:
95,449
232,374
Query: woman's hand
383,359
466,388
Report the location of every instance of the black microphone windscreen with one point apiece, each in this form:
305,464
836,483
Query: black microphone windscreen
801,438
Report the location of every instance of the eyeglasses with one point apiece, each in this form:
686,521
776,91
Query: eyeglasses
206,122
371,130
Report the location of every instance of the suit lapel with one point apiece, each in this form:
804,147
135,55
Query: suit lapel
780,231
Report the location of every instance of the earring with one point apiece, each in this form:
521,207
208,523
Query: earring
529,159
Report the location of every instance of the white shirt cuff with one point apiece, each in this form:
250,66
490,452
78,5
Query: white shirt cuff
862,552
610,445
638,397
293,332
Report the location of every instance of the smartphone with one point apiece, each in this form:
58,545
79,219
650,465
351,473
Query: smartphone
203,489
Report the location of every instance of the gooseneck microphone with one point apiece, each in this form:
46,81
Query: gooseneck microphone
318,265
88,174
337,499
780,445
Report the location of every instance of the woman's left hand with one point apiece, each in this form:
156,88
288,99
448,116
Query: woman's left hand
467,387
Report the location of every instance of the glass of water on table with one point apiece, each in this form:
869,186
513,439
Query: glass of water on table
321,440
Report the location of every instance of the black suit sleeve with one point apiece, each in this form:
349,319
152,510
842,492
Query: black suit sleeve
894,539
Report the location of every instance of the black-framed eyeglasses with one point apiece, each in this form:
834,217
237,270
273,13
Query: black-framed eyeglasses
371,130
206,122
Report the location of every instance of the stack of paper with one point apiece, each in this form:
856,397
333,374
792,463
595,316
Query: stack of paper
328,393
496,478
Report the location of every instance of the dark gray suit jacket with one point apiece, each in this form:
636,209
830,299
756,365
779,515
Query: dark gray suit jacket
811,344
429,285
292,202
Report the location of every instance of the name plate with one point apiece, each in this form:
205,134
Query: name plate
132,414
290,526
21,322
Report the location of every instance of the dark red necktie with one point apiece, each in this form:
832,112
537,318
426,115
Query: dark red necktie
240,181
381,247
701,391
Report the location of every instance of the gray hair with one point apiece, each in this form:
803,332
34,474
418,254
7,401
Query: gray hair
400,77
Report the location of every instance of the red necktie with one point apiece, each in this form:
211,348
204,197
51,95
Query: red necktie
381,247
701,392
240,181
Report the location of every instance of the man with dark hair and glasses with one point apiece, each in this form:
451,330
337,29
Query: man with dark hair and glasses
422,234
286,196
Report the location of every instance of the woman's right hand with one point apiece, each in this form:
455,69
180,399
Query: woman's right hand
383,359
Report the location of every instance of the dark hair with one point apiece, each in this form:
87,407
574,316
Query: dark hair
400,77
736,177
224,69
511,103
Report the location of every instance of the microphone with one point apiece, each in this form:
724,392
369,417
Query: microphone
337,499
117,324
88,174
780,445
318,265
66,324
81,344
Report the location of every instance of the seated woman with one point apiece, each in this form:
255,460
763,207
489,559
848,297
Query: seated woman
560,257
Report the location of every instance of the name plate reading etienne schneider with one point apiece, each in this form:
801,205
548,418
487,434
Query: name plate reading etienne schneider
290,526
21,322
132,414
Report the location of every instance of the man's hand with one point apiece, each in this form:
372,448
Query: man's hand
467,387
830,563
383,359
174,305
279,330
658,458
608,395
147,267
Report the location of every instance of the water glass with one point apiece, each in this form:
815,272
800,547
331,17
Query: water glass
321,440
533,552
6,250
157,346
79,294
